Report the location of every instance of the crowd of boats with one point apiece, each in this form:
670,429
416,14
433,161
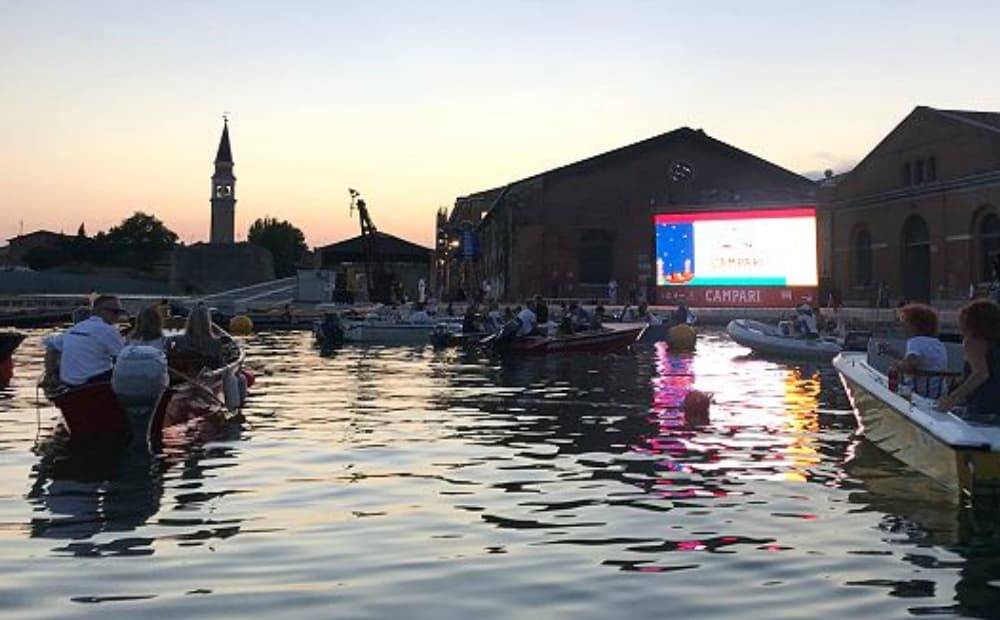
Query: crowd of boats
933,404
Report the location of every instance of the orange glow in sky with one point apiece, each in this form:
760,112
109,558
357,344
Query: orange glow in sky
112,107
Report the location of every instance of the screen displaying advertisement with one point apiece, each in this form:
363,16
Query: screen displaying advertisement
755,247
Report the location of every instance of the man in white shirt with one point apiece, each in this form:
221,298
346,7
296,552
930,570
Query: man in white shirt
87,350
527,321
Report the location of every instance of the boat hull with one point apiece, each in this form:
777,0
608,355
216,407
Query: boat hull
597,341
885,419
757,337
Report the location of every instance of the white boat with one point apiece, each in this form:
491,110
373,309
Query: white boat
379,331
770,340
961,455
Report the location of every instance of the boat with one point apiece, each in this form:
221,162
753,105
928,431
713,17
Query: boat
93,413
961,455
613,337
390,329
767,339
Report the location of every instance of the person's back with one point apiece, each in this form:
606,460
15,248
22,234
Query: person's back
542,311
528,322
931,356
986,398
198,341
88,349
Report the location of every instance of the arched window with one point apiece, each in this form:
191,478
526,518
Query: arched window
863,258
989,242
596,253
916,259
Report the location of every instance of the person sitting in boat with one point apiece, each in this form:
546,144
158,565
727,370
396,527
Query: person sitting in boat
541,310
805,320
527,322
419,315
924,352
979,391
597,320
470,321
86,352
198,347
493,317
148,329
681,314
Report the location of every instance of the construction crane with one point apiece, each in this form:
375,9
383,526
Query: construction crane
377,279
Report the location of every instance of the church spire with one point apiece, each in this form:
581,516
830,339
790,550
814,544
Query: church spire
224,153
223,192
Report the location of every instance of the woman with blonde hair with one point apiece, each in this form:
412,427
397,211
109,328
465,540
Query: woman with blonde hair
148,329
199,337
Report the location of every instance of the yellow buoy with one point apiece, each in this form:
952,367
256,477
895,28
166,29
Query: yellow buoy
240,325
681,338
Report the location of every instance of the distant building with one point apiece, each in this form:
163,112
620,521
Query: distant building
569,231
19,246
223,192
221,264
408,262
919,216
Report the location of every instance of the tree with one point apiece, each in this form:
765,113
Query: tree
286,243
140,237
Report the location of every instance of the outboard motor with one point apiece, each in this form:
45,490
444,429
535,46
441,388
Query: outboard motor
140,375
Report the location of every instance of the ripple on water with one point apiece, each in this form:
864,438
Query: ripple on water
383,482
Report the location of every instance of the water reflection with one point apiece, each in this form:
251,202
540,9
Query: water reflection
81,492
378,477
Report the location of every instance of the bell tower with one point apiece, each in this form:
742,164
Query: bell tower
223,192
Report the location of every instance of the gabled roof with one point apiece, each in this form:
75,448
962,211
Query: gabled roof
656,141
983,120
389,247
989,121
37,233
224,154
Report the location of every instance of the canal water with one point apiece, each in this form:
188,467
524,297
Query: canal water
402,482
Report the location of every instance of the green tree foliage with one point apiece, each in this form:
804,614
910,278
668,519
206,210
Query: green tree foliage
141,237
286,243
138,241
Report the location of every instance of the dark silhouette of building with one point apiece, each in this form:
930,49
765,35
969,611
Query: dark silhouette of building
406,262
220,264
223,192
569,231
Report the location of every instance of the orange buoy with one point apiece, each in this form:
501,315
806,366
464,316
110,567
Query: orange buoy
681,338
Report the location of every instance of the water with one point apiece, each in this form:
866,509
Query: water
388,482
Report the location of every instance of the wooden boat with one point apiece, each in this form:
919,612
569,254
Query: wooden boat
961,455
769,340
94,413
613,337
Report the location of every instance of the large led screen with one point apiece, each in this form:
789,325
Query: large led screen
756,247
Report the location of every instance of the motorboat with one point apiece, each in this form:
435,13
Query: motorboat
766,339
95,413
960,454
390,328
612,337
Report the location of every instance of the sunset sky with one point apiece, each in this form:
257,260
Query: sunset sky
111,107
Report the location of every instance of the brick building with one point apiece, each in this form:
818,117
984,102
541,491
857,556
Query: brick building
567,232
920,214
